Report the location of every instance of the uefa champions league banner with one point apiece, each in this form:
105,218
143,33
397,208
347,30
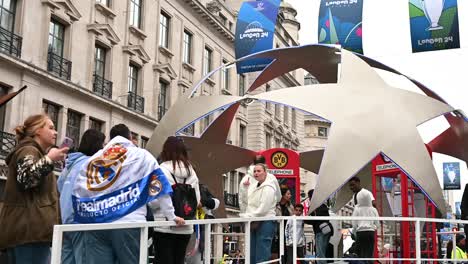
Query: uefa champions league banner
434,25
255,30
340,22
451,171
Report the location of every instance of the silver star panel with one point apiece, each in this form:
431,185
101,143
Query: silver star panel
368,117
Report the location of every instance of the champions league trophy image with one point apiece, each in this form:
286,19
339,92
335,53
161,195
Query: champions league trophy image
433,10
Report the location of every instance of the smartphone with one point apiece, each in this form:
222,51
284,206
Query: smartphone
67,142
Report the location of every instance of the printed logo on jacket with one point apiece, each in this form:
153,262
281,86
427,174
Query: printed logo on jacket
117,181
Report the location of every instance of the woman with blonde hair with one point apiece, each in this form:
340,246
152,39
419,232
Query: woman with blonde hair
30,198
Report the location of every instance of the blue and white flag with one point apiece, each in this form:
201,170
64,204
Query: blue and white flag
255,31
116,181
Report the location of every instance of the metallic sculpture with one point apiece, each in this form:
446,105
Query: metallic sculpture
363,125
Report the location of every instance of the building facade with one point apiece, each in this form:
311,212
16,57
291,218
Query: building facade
97,63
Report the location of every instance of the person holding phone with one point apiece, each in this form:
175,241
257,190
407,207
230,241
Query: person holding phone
30,208
91,142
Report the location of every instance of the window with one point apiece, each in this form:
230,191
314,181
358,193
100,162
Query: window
277,111
56,38
322,131
7,14
241,85
133,79
164,30
223,19
73,126
187,56
163,103
232,182
278,143
104,2
100,61
52,111
293,119
207,60
267,140
144,141
226,182
267,104
135,13
206,122
95,124
242,136
286,115
190,130
3,91
225,77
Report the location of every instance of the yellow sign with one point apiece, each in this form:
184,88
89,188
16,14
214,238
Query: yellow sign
279,159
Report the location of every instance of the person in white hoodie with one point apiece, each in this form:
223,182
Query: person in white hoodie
249,179
365,229
171,242
261,203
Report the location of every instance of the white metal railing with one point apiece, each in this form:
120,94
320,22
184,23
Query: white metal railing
60,229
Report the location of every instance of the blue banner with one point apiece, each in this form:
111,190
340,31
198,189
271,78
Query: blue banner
340,22
451,175
434,25
255,31
112,206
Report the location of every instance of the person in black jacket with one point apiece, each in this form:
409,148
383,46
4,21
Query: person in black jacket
323,230
464,212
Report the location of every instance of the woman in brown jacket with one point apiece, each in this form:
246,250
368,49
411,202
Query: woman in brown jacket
30,199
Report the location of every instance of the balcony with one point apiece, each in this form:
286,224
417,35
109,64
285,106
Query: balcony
7,143
10,43
231,200
102,86
136,102
59,66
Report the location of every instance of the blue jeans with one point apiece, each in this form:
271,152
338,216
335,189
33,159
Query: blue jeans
321,244
32,253
120,246
73,248
260,242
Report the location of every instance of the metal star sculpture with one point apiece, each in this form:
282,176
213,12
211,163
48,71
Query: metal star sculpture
368,117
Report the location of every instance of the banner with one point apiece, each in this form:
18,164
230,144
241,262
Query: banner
115,182
451,175
434,25
340,22
255,31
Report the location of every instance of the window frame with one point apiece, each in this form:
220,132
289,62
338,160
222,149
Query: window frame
324,129
55,36
75,131
163,103
139,6
225,78
187,47
132,78
101,61
207,60
46,105
11,11
93,121
164,27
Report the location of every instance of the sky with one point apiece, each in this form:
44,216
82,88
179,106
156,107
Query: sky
386,38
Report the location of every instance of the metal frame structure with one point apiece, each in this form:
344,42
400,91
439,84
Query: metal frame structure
143,226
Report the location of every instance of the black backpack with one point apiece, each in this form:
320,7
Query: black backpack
184,200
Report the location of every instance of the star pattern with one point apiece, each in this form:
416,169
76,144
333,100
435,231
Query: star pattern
368,118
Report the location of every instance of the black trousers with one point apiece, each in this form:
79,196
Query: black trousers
365,241
170,248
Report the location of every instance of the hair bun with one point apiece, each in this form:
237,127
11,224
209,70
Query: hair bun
20,130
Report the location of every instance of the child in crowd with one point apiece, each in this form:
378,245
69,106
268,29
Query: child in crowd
300,238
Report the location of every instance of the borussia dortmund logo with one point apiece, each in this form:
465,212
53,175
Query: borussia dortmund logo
279,159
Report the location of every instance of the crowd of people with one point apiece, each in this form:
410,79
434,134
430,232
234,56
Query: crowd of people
118,182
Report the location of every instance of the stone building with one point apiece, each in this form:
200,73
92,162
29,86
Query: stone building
97,63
